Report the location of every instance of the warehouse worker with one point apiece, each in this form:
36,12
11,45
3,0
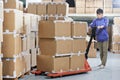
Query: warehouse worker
101,23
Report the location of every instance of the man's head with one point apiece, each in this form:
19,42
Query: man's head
99,13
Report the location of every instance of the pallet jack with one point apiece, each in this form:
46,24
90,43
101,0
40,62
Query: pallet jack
86,68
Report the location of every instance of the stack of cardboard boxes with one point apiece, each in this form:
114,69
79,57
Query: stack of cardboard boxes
108,6
116,6
1,36
49,10
116,35
61,51
16,61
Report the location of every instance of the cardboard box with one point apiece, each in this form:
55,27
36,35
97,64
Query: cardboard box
11,45
108,10
42,9
79,45
80,3
1,68
79,29
116,10
116,38
1,31
62,9
32,8
116,21
46,0
72,10
58,47
13,20
1,10
92,53
21,5
90,11
33,57
108,3
12,67
51,9
24,44
80,10
52,29
77,62
11,4
115,47
99,3
52,64
90,3
59,1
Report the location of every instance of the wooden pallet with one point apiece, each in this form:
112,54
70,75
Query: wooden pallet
17,78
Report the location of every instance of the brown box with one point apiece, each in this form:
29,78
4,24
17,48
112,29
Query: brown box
33,57
115,47
79,45
11,45
12,67
1,31
72,10
46,0
51,9
52,64
52,29
62,9
108,3
1,69
79,29
1,10
77,62
42,9
32,8
11,4
108,10
90,3
13,20
90,11
92,53
116,10
56,47
99,3
80,10
21,5
116,38
80,3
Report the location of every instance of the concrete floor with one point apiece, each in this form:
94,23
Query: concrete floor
111,71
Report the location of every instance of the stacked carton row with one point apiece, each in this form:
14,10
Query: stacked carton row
62,43
49,10
1,36
116,35
19,39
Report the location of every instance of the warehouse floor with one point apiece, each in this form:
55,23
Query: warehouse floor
111,71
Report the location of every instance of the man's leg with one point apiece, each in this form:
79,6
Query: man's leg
100,46
105,51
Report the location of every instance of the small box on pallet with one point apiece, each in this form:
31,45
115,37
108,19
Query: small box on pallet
11,45
53,64
52,29
13,20
72,10
32,8
55,46
51,9
77,62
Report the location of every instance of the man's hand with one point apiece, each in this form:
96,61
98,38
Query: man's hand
100,27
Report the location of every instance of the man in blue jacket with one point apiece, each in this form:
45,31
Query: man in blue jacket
101,23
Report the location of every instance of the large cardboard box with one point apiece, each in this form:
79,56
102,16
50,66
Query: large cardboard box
99,3
77,62
62,9
92,53
1,69
90,3
33,57
11,45
79,45
52,29
11,4
32,8
79,29
72,10
51,9
1,31
1,10
115,47
116,38
13,20
108,3
80,3
56,47
80,10
42,9
12,67
90,11
108,10
116,10
52,64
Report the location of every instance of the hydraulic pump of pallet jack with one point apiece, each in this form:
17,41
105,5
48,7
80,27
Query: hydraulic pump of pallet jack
90,41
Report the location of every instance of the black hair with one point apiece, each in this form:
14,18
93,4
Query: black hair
99,11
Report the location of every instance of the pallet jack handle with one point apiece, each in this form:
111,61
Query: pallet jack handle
90,41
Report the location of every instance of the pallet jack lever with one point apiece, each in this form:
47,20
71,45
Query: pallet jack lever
90,41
